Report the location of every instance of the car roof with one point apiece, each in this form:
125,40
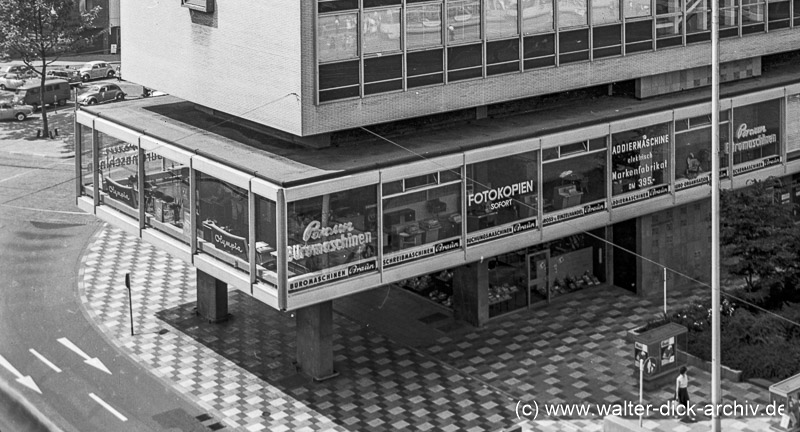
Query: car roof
93,62
37,83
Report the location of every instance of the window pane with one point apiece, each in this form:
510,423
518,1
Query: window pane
605,11
698,21
423,26
341,93
338,5
638,31
575,181
728,18
223,221
667,6
639,161
752,14
668,26
118,166
756,135
637,8
572,41
463,56
571,13
375,3
380,30
537,16
338,75
424,62
538,46
607,36
502,51
464,20
383,68
87,171
337,37
166,196
501,18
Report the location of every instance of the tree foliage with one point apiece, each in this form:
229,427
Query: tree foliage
40,31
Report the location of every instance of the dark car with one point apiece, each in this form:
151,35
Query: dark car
68,75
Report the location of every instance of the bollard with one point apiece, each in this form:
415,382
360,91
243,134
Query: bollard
56,131
38,133
51,135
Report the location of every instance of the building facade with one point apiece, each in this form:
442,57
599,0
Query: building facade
236,175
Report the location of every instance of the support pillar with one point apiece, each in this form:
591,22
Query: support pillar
315,340
212,297
471,293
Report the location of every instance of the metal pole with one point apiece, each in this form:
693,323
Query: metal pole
665,291
130,298
715,293
641,378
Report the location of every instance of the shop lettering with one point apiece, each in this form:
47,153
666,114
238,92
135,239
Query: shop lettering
693,182
525,226
772,160
297,252
315,232
120,148
407,256
494,233
586,210
111,162
502,192
444,247
656,191
760,140
642,143
317,279
226,244
638,171
119,192
361,268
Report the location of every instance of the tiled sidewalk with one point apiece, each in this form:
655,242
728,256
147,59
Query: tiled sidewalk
242,372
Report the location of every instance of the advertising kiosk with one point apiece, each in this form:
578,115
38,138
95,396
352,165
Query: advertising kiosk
665,345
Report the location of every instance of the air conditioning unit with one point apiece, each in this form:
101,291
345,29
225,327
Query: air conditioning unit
199,5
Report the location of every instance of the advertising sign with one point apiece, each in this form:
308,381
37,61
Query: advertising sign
413,254
501,231
668,351
639,353
639,164
756,136
228,243
310,280
554,218
121,193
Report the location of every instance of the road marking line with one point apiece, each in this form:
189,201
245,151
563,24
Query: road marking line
108,407
95,362
45,361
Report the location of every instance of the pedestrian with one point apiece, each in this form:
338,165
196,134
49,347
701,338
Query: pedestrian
682,390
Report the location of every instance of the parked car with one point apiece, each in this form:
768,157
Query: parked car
16,69
95,70
56,92
69,75
11,81
9,111
101,93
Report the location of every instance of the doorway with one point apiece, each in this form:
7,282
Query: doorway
624,236
538,276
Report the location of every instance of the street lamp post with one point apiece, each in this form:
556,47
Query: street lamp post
715,260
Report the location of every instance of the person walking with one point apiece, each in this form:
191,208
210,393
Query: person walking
682,390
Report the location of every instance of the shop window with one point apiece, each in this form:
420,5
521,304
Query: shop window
639,161
383,74
638,36
87,166
501,192
437,287
324,6
266,241
501,18
572,263
502,56
577,178
380,30
573,46
752,16
424,26
607,41
166,197
428,211
537,16
338,80
337,37
605,12
463,20
756,136
507,287
693,150
571,13
222,221
332,231
464,62
118,166
539,51
778,13
793,127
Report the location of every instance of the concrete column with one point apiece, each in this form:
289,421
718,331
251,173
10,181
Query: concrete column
471,293
212,297
315,340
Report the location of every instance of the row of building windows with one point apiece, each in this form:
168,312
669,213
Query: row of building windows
389,45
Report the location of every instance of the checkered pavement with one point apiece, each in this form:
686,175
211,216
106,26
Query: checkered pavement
242,371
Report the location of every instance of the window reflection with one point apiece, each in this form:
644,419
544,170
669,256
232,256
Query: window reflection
464,20
605,11
424,26
337,37
266,240
380,30
576,177
166,195
118,167
87,171
501,18
222,219
537,16
571,13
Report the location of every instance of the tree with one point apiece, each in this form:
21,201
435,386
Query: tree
42,31
759,237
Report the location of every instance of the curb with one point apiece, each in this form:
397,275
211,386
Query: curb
43,155
14,406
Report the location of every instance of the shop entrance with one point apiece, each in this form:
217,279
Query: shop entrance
538,273
624,236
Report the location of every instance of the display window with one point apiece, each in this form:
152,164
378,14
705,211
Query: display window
793,127
693,150
337,37
87,167
437,287
507,290
222,221
566,265
639,164
118,167
574,180
166,197
502,197
421,216
330,237
756,136
266,240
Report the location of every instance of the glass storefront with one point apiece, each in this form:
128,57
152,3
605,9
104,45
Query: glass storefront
756,136
421,211
507,290
118,168
166,196
222,221
266,241
332,236
639,160
87,166
574,180
693,150
502,197
793,127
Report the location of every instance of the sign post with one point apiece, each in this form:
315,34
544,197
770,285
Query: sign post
648,364
130,298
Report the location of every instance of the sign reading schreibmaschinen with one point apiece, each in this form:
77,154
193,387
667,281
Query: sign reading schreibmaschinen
413,254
